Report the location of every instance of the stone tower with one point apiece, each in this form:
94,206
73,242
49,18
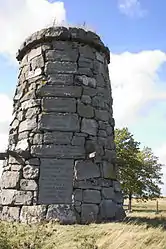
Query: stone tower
60,161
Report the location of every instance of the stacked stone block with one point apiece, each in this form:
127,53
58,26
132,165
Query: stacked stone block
61,153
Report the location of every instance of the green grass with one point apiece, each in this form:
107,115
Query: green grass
143,228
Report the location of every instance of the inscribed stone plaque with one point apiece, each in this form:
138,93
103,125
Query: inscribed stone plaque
56,181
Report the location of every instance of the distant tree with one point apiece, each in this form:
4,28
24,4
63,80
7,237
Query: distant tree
139,171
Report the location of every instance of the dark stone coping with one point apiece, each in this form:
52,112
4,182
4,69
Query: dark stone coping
63,34
3,155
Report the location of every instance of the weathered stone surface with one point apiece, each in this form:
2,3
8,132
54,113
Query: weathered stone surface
14,197
90,146
34,52
10,179
15,160
60,67
58,151
64,214
22,145
99,102
99,57
16,167
87,81
14,124
89,91
86,169
91,196
37,62
120,213
105,182
7,196
85,67
87,52
118,198
110,155
89,126
33,162
70,55
86,99
37,139
59,122
110,143
10,213
30,104
60,79
108,193
23,135
89,213
62,45
32,112
78,195
102,133
28,184
87,184
77,206
109,130
102,115
77,140
23,198
27,125
117,186
108,170
107,209
60,91
55,183
59,104
85,111
57,137
33,214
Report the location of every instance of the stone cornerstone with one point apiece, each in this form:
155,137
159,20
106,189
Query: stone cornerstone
60,162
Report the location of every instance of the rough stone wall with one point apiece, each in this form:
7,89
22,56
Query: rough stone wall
61,153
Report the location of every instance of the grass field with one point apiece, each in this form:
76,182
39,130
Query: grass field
143,228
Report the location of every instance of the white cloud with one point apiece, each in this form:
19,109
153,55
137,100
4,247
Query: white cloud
20,18
131,8
5,108
135,83
6,117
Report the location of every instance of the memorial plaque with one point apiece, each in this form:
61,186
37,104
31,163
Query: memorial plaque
56,181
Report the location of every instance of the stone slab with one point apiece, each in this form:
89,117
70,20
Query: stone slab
10,179
56,181
59,105
89,213
64,214
10,213
58,137
58,151
69,55
86,170
60,79
32,214
91,196
59,91
59,122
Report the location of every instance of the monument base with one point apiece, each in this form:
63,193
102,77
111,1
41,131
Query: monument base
87,206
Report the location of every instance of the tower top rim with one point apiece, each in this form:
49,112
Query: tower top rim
61,33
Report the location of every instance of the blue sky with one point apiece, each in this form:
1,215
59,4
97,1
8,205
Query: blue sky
134,30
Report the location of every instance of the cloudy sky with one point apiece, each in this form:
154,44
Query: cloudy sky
134,31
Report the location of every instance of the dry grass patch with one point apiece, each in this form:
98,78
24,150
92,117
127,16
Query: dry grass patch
142,229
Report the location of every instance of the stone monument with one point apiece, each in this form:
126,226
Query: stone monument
60,161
